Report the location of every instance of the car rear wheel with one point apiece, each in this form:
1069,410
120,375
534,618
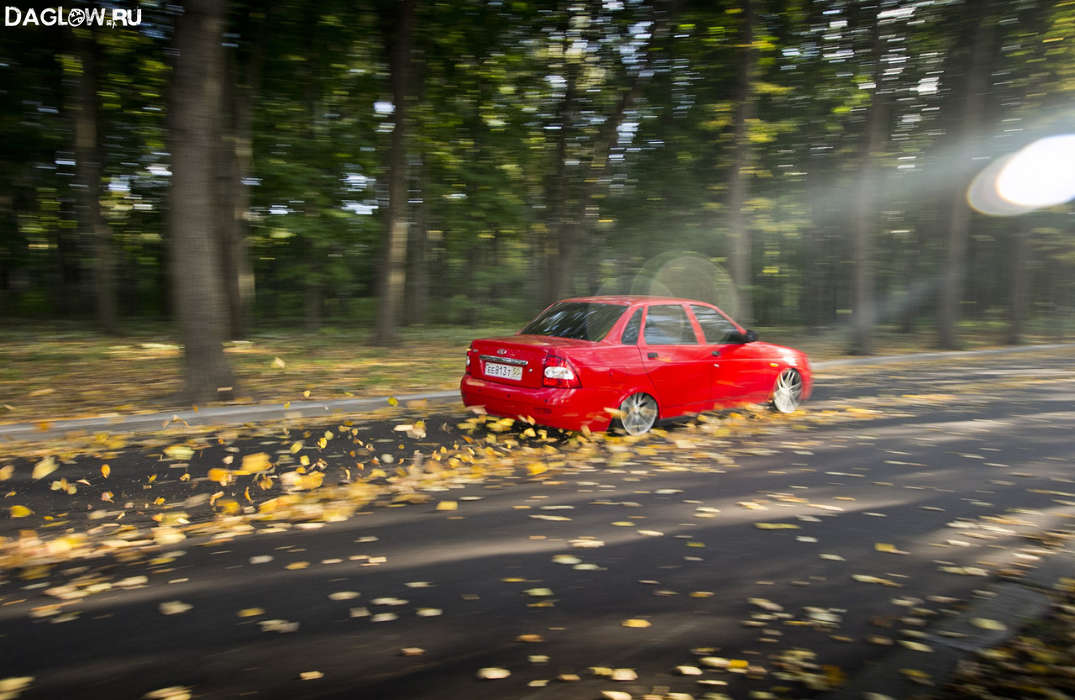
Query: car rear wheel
638,413
788,391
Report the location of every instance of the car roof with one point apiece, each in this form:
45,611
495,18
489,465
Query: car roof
632,299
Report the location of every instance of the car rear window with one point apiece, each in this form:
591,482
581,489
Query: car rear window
576,319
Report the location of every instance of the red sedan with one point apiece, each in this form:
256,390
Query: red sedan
590,361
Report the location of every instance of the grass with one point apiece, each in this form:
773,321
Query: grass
51,370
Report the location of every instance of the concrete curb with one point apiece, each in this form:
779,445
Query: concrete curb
216,415
237,415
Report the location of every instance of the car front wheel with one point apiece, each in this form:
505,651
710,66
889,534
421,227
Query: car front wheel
788,391
638,413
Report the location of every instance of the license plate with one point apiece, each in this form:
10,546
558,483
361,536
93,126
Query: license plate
495,369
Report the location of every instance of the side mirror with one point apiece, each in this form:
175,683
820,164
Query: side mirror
750,336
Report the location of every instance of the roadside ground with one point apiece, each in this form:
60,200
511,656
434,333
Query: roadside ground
50,372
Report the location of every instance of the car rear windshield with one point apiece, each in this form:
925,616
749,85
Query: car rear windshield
575,319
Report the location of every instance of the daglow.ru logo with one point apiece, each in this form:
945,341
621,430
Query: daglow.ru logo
75,17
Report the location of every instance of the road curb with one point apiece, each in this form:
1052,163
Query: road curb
238,415
217,415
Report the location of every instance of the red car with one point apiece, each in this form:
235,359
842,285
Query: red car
589,361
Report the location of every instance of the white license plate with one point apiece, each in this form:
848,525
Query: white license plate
495,369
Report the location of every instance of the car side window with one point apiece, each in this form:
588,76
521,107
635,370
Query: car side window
669,325
631,330
715,327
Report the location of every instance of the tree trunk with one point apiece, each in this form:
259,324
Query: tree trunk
739,187
959,220
88,157
561,259
876,137
198,291
1018,289
394,261
417,304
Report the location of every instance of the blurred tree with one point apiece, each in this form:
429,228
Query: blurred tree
88,163
739,188
394,257
194,125
970,144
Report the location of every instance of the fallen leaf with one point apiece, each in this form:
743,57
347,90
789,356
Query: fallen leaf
44,468
174,607
636,622
493,673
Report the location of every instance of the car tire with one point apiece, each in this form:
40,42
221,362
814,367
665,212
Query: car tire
638,414
787,391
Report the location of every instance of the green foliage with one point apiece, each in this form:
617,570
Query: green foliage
491,118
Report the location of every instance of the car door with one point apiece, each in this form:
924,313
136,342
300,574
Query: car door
677,363
732,364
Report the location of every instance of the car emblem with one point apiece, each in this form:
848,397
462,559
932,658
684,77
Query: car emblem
501,351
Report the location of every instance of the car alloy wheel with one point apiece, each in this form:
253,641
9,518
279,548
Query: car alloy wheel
788,393
638,413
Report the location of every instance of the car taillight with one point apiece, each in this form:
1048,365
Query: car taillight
560,373
467,369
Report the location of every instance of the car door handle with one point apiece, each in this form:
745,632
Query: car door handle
652,356
716,353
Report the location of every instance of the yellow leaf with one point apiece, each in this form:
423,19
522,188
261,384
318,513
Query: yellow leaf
254,463
278,362
44,468
158,501
447,505
306,394
776,526
180,452
20,511
491,673
221,476
311,675
296,565
250,612
393,401
107,496
296,446
635,622
105,470
987,624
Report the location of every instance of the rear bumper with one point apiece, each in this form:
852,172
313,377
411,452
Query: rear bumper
569,409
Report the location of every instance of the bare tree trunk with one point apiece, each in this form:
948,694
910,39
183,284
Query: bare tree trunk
417,303
198,290
226,193
1018,289
959,221
739,188
876,137
87,153
561,259
394,267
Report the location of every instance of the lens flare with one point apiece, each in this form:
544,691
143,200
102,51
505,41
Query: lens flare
1040,175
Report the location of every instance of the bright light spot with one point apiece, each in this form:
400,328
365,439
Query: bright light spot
896,13
383,107
1040,175
927,86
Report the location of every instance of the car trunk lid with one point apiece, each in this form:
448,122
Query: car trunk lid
519,360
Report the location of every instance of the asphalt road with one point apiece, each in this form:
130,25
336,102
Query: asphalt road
769,554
